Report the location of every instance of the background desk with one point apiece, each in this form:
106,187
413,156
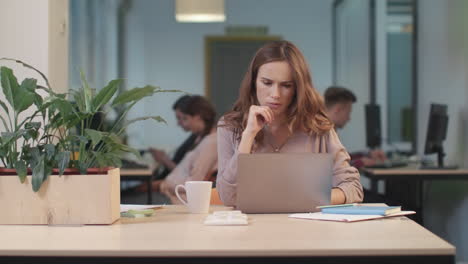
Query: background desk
416,176
139,174
174,236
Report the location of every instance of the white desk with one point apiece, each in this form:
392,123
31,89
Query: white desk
174,236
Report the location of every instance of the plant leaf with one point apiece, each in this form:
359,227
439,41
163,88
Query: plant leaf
38,101
24,97
7,136
4,106
34,69
63,158
134,151
38,174
95,136
35,156
156,118
49,150
4,123
62,105
169,91
134,94
32,125
83,139
100,159
29,84
21,170
86,93
9,84
106,93
47,170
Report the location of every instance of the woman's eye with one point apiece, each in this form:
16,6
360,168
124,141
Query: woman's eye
266,83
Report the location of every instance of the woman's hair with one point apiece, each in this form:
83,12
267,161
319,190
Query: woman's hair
183,100
306,111
198,105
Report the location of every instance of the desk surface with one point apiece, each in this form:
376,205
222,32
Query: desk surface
415,171
135,172
172,232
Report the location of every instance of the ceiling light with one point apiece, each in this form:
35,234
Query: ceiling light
200,11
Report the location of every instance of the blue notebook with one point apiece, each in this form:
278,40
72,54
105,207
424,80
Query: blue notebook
362,210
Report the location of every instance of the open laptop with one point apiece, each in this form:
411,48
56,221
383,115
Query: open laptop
283,182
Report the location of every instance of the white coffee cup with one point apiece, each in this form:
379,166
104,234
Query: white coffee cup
198,195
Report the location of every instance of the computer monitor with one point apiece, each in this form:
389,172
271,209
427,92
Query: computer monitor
373,126
437,132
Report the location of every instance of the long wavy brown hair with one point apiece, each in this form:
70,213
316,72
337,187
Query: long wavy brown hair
307,109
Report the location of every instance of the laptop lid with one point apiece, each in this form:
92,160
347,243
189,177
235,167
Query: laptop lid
283,182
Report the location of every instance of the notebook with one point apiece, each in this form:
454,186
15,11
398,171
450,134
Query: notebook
359,209
345,218
283,182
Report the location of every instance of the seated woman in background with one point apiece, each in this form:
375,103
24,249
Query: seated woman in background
279,110
198,163
183,120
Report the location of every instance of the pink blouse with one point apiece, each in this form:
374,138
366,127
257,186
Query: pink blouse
195,166
345,177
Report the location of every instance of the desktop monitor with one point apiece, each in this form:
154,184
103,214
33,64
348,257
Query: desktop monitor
437,132
373,126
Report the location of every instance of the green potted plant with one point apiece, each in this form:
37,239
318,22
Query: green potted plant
59,136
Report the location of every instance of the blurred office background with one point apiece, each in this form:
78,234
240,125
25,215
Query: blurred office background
401,54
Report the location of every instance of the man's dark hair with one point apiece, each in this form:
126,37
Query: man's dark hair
181,102
338,94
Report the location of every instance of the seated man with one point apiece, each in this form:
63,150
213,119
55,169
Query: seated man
338,103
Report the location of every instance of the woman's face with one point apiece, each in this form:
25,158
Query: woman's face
275,86
190,123
182,120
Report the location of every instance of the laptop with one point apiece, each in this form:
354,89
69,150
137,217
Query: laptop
283,182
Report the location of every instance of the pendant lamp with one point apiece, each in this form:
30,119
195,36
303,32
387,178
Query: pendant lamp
199,11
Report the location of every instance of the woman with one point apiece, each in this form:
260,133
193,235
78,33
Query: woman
279,110
184,119
198,163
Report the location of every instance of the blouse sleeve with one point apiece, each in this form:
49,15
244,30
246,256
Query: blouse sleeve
345,176
226,181
206,159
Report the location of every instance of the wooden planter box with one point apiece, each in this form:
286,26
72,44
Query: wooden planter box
66,200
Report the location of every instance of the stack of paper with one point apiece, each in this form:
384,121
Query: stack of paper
353,212
345,217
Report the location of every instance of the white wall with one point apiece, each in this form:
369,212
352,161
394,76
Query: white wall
171,55
443,68
25,33
353,66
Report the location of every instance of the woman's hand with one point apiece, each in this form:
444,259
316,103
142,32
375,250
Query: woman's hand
159,155
258,117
